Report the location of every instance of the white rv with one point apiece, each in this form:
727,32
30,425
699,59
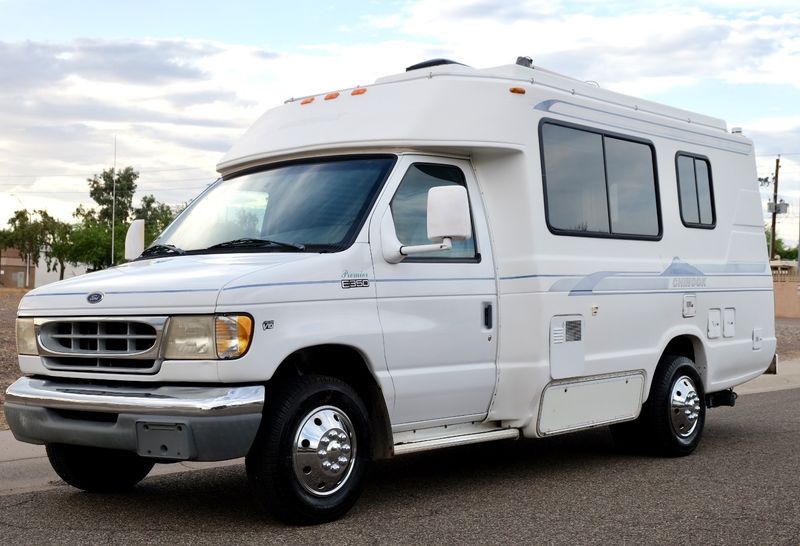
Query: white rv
445,257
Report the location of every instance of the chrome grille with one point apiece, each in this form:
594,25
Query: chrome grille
107,344
98,337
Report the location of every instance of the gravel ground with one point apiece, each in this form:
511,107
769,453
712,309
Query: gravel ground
788,331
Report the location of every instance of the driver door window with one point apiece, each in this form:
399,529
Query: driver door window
410,209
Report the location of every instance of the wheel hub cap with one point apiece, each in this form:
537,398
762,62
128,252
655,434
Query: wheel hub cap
324,451
685,406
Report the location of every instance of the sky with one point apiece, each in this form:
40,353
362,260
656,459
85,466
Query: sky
174,83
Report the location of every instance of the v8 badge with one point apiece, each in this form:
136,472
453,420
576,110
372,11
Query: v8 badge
268,325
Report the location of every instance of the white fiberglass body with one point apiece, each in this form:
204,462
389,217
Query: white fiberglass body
480,338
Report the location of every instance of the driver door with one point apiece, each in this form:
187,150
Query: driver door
437,309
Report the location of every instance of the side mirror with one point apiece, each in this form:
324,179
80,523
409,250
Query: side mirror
448,219
448,214
134,240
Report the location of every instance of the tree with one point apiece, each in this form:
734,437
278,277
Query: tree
156,216
90,239
27,237
781,250
91,243
57,248
101,190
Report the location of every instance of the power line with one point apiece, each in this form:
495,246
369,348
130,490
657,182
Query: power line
166,181
72,192
35,175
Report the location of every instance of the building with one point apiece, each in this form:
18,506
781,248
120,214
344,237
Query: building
46,277
13,269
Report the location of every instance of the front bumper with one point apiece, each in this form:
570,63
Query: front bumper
161,422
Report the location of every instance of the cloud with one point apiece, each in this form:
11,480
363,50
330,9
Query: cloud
207,96
146,62
625,45
507,12
179,103
167,102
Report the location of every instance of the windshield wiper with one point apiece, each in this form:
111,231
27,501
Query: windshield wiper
251,242
161,250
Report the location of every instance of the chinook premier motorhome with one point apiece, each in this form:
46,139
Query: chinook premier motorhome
444,257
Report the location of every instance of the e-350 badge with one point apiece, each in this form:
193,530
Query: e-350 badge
354,279
355,283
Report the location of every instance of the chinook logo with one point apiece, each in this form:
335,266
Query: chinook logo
95,297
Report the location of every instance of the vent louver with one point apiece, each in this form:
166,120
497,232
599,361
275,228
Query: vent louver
573,330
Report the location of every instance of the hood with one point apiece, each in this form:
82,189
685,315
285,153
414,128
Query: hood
179,284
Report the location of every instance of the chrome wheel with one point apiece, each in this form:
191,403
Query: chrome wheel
324,451
684,406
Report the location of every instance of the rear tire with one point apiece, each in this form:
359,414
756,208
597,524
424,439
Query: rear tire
97,470
310,459
672,420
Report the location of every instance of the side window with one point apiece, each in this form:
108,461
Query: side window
598,184
695,192
410,209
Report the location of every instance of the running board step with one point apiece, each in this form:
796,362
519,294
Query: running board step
466,439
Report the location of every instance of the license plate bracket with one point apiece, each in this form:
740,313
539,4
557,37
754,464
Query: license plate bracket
164,440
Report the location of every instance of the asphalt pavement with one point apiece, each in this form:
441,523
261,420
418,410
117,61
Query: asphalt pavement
741,486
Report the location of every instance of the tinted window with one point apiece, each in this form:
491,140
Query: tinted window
631,187
410,208
576,188
687,187
703,191
695,191
599,184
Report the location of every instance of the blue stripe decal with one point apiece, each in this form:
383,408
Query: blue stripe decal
127,292
438,279
167,291
57,294
547,105
643,274
685,291
536,276
286,283
299,283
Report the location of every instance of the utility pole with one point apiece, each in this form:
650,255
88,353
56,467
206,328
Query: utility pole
114,202
774,207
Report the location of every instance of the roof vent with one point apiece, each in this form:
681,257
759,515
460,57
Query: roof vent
430,63
527,62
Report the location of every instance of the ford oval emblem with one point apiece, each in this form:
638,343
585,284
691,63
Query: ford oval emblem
95,297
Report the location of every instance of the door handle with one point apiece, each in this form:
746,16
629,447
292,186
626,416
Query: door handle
487,316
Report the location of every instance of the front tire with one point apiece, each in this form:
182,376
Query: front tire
310,459
97,470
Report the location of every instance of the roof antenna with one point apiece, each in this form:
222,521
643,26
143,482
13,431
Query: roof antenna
527,62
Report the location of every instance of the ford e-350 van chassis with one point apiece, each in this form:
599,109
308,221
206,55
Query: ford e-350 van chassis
445,257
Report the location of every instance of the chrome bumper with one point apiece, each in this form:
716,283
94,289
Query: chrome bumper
159,400
167,423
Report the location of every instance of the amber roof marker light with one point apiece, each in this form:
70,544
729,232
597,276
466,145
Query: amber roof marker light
517,90
358,91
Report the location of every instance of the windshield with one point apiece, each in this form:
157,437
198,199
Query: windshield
317,205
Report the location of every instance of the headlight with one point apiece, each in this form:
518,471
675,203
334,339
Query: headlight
207,337
233,335
26,337
190,338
